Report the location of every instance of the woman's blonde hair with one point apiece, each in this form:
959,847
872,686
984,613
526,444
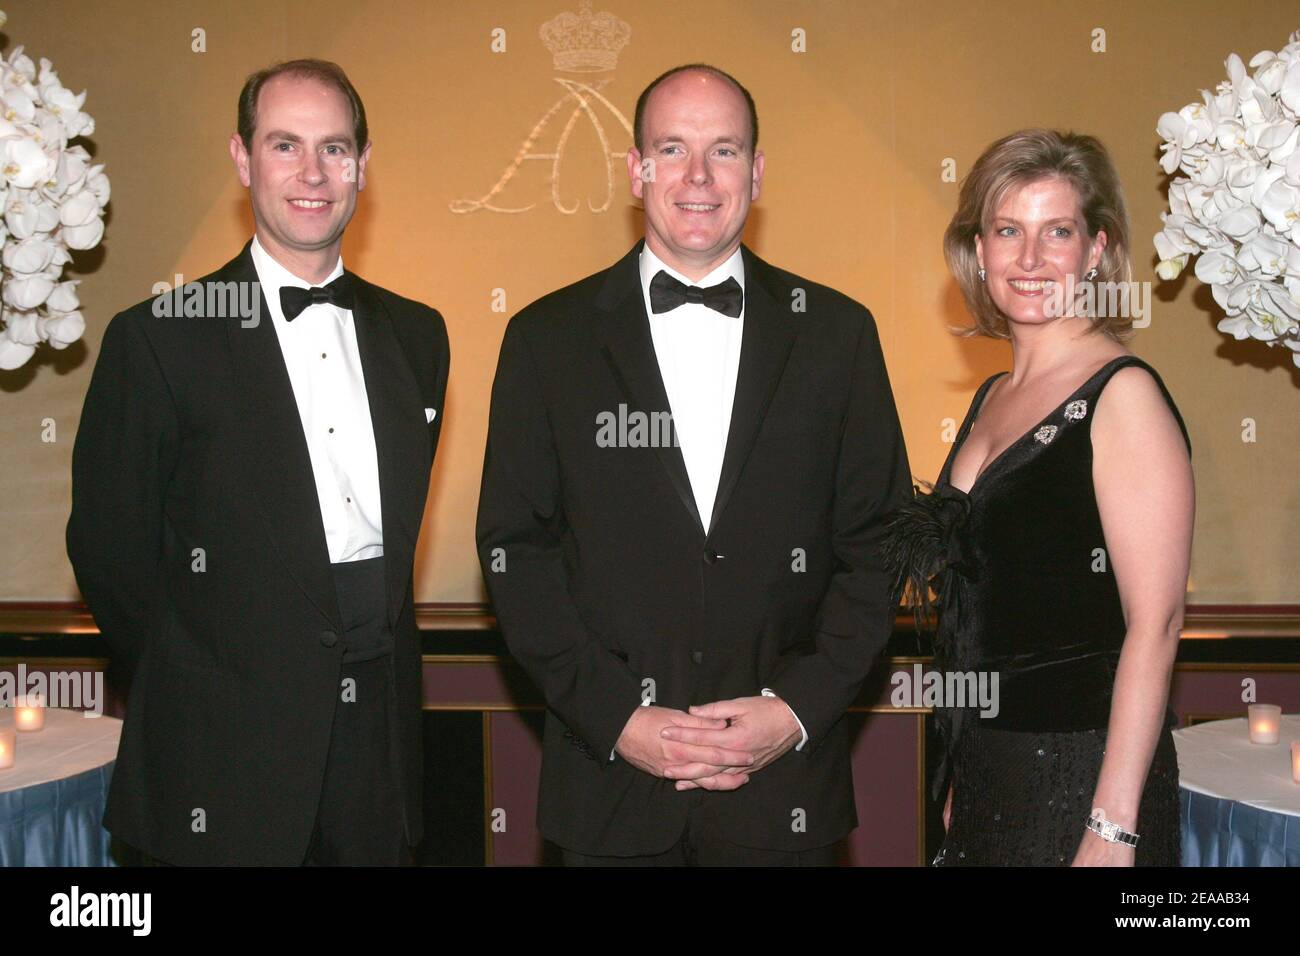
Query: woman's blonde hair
1017,160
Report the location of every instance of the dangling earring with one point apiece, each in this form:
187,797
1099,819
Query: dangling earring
1091,274
982,275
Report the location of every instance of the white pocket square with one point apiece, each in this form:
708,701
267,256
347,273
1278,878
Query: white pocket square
428,414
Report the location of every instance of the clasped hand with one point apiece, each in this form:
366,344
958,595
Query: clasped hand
714,746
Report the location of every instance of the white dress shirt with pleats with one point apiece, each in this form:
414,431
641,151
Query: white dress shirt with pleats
324,364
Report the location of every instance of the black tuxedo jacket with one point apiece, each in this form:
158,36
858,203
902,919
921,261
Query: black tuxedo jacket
190,438
609,591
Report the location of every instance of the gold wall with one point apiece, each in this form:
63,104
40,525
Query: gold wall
855,130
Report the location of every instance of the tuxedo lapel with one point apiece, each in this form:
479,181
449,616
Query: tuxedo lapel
623,332
401,440
764,348
275,449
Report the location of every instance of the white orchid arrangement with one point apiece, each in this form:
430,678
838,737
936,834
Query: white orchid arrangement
1237,208
53,200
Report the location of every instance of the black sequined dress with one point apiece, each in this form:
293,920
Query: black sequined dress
1025,591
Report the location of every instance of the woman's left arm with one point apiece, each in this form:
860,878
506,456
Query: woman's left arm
1145,495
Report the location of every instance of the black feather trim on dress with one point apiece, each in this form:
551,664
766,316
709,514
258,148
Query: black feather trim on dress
921,543
923,553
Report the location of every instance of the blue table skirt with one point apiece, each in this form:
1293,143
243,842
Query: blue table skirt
57,823
1226,833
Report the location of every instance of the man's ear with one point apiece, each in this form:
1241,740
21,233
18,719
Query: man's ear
240,157
361,167
759,162
634,172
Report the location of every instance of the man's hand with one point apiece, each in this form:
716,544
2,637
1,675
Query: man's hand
643,746
762,726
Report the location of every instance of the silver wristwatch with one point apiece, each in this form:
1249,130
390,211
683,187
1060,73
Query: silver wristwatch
1111,831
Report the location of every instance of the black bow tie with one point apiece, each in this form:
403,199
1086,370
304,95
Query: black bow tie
293,300
667,293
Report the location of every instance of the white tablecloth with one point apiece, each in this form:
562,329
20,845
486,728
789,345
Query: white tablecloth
67,745
1217,759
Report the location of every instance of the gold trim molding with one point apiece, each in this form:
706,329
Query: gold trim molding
1205,622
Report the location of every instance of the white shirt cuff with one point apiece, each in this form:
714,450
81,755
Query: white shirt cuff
768,692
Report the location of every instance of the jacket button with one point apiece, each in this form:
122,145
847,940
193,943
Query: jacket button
711,556
697,657
328,638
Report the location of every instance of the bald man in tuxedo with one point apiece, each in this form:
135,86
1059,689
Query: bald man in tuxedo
698,604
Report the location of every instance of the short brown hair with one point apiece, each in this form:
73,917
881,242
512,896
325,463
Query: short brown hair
1013,161
323,71
639,118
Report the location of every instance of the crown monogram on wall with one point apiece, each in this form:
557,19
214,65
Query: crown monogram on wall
582,42
585,42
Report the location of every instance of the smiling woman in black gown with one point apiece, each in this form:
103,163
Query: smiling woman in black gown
1058,535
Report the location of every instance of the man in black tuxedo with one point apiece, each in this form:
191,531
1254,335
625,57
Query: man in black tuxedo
249,480
690,456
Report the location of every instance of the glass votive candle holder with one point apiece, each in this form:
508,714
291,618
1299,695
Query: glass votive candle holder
29,715
8,743
1265,723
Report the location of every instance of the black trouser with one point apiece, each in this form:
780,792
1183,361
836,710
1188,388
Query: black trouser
702,845
360,820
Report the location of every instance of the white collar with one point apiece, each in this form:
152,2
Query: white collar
273,276
733,267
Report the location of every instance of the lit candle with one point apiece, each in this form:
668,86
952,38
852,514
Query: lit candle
7,741
1265,723
30,714
1295,760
